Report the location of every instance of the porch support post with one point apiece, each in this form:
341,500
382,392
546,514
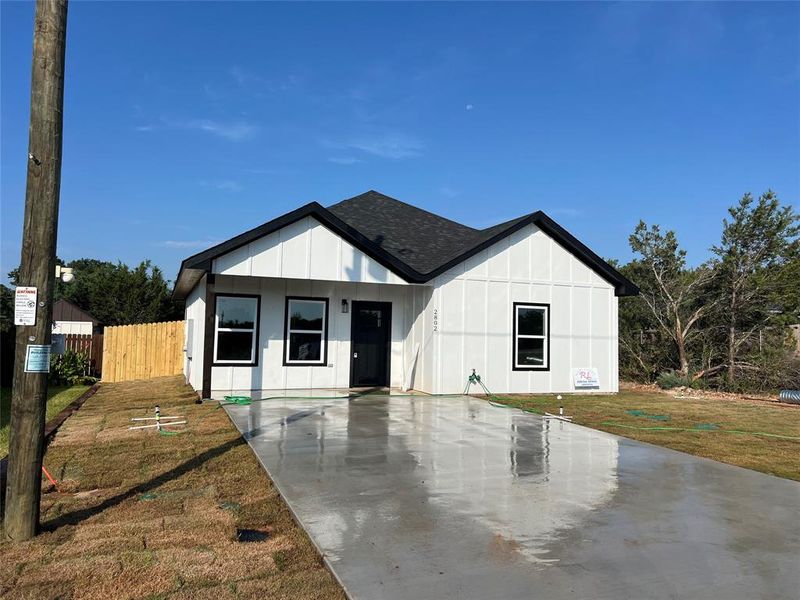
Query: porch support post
208,336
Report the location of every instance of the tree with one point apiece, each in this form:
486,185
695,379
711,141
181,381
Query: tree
643,353
757,261
6,309
7,337
674,295
116,294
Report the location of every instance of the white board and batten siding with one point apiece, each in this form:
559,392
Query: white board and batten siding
193,334
305,249
303,259
461,320
271,374
467,321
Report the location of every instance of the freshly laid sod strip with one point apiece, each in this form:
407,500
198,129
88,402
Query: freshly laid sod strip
756,435
143,515
58,399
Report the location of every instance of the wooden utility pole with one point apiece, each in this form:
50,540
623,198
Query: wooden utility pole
37,267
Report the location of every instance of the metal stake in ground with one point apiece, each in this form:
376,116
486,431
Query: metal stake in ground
37,267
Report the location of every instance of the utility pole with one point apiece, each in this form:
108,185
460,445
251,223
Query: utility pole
37,268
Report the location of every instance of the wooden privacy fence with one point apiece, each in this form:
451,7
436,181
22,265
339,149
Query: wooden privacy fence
142,351
91,345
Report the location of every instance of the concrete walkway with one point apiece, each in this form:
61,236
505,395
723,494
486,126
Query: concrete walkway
453,498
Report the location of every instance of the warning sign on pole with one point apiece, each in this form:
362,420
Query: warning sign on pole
25,306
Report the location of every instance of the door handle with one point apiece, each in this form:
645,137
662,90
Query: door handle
355,354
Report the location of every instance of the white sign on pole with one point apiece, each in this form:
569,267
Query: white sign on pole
25,306
37,359
585,378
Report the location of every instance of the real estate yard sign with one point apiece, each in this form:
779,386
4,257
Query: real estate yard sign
25,306
585,378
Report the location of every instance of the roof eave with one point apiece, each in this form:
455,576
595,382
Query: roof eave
202,261
193,268
622,286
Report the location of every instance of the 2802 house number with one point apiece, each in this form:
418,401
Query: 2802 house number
436,319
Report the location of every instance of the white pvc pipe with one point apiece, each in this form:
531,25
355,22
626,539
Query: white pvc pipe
547,415
159,425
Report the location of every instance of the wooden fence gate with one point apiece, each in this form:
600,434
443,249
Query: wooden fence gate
142,351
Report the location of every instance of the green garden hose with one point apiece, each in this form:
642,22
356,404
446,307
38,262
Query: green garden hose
702,429
475,379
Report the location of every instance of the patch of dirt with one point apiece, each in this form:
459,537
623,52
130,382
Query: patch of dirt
700,394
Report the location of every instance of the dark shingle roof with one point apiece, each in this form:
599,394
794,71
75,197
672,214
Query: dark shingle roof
417,237
414,243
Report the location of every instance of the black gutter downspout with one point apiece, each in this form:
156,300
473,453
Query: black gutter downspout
208,336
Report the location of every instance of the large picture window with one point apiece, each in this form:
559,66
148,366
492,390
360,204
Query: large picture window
236,336
306,331
531,337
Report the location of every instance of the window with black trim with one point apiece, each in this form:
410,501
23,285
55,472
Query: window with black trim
236,330
306,331
531,337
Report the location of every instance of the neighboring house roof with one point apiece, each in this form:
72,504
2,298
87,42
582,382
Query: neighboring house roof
413,243
64,310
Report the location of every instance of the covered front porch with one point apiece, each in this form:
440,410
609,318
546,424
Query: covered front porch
294,334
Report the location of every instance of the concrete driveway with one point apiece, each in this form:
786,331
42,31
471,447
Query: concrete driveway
454,498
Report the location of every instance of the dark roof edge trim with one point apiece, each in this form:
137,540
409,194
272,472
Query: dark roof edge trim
622,286
202,261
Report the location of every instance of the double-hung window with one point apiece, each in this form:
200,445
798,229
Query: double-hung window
531,337
306,331
236,332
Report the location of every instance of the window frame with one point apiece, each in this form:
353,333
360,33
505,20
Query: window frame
323,361
515,336
253,362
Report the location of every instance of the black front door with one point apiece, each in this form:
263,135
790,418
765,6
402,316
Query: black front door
370,336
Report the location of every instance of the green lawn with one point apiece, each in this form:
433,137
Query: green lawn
58,397
757,435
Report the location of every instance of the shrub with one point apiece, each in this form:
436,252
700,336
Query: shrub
670,379
70,368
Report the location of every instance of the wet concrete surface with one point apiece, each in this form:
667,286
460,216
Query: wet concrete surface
454,498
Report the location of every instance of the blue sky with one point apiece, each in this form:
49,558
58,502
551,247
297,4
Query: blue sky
187,123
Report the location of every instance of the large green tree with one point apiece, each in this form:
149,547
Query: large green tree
758,264
116,294
727,320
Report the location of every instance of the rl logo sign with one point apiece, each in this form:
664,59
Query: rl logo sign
585,378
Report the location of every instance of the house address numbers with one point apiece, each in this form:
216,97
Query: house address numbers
436,319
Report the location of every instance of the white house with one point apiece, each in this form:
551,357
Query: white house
374,292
